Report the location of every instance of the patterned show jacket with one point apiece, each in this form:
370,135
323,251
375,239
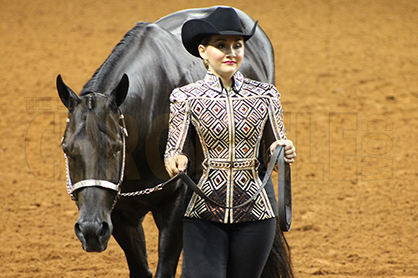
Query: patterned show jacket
229,125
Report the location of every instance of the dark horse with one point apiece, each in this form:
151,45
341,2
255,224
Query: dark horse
115,139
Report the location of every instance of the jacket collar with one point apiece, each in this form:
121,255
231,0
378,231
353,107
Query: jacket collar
215,83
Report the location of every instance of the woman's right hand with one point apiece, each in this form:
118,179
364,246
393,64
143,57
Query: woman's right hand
289,150
176,164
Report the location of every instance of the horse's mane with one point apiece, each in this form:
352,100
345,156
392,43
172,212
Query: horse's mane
130,40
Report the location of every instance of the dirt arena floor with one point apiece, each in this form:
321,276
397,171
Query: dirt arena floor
348,74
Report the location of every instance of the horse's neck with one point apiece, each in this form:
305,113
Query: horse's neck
155,62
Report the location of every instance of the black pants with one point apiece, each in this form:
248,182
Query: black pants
216,250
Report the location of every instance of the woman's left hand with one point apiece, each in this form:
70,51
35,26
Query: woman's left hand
289,150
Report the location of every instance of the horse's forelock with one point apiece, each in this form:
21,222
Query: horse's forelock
92,130
100,117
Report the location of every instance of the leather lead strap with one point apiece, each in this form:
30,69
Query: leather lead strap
284,188
190,183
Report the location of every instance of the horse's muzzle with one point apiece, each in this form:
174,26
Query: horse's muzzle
94,236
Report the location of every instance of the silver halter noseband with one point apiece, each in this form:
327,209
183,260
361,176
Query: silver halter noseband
71,188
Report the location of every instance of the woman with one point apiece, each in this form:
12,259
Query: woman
234,118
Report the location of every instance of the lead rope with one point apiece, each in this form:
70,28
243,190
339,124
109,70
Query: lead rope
284,186
278,154
284,202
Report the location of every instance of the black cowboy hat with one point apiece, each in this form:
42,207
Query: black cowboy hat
223,21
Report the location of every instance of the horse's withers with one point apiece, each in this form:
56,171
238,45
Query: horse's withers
94,148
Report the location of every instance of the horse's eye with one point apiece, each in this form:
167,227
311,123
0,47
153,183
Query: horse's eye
66,150
114,147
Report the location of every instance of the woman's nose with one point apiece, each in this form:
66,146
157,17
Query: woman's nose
230,52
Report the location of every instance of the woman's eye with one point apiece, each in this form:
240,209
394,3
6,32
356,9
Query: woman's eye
220,46
238,46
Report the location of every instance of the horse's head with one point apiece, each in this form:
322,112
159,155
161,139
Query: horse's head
94,147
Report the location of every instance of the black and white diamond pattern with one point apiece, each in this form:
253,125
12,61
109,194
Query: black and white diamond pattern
206,106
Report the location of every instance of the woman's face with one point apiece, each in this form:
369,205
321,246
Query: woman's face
224,54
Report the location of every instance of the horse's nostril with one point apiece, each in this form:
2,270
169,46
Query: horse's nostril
91,230
105,230
77,229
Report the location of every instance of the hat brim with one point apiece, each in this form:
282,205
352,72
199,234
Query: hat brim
195,30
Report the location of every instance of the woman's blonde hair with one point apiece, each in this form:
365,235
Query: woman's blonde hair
205,42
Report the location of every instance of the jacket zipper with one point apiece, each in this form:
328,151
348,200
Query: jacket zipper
230,188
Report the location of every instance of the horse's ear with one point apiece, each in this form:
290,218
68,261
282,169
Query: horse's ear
67,96
121,90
